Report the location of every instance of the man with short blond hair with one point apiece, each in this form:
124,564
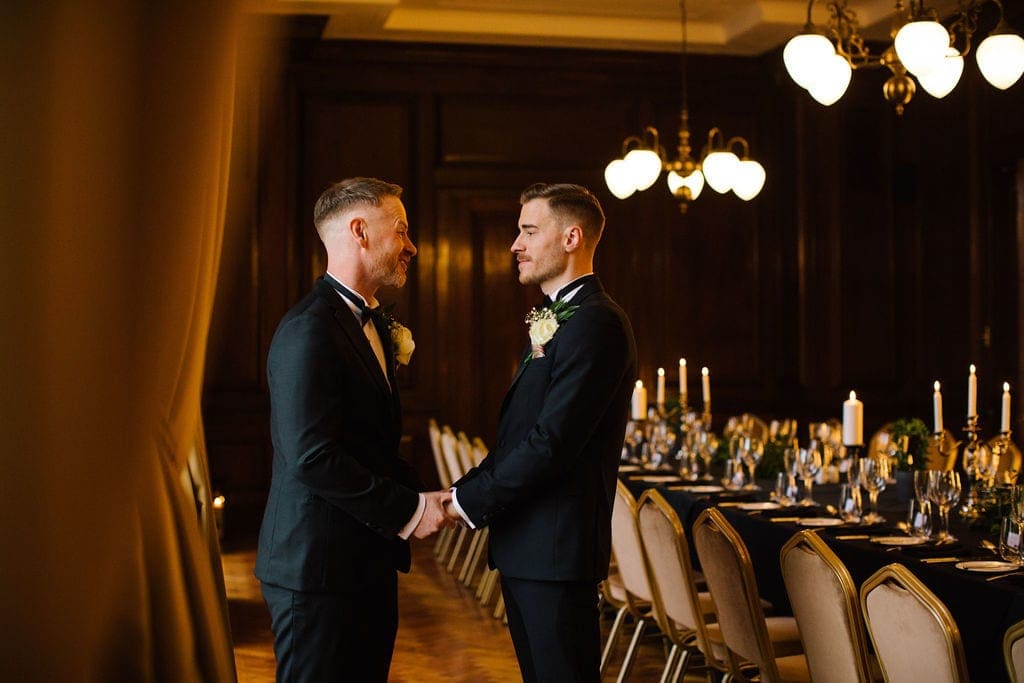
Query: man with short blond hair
342,503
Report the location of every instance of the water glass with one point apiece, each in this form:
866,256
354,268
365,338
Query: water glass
729,474
1017,502
785,492
1010,540
849,502
919,518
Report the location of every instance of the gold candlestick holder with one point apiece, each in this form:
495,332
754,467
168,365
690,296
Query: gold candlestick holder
973,451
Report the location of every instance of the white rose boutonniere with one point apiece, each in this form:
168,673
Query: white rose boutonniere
402,344
543,323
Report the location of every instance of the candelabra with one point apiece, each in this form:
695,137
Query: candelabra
973,453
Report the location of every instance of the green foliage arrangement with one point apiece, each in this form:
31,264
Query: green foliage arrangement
915,456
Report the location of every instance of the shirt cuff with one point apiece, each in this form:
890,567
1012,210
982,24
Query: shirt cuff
410,527
458,508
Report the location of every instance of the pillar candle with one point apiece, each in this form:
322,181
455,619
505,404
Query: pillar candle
682,377
853,421
639,405
1005,422
972,394
937,408
705,380
661,387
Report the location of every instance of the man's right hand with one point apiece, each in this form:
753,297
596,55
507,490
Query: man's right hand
434,518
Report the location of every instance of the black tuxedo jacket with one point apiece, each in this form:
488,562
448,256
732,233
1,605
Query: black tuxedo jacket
547,488
339,493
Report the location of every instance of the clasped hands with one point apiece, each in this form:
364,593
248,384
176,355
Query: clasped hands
438,514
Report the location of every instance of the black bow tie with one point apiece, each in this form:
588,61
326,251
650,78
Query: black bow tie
366,314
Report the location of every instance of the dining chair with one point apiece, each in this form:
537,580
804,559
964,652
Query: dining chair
685,615
1013,652
912,631
752,425
636,596
449,448
478,544
827,610
464,450
772,645
443,477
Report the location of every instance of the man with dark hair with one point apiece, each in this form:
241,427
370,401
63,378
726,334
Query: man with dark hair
342,503
547,488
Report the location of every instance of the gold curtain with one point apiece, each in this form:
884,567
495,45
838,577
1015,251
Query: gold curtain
117,126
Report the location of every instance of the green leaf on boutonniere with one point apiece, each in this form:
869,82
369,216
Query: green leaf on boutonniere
543,323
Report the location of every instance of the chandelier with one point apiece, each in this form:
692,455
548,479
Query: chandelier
643,159
822,58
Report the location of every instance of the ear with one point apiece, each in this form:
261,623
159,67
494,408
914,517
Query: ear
358,229
572,238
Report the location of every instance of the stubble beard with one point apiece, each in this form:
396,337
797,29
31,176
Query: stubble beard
389,273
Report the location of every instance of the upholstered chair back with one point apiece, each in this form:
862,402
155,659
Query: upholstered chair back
825,604
912,632
626,545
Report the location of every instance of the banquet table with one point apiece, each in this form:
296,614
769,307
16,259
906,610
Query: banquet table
983,610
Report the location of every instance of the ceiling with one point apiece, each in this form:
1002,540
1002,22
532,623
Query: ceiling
735,27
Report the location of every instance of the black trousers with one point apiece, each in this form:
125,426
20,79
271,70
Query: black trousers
554,626
343,636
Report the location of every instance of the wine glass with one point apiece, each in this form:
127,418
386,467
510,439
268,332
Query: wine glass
873,474
708,448
808,464
751,451
735,453
944,490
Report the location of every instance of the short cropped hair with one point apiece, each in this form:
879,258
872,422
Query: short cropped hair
346,193
570,202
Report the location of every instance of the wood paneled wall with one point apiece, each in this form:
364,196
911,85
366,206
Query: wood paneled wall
882,254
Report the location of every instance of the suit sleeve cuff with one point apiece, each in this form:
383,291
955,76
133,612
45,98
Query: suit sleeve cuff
458,508
414,522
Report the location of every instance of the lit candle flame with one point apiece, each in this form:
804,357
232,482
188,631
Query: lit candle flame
936,385
661,372
853,395
704,371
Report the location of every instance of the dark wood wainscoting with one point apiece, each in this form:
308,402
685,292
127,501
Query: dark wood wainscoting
883,252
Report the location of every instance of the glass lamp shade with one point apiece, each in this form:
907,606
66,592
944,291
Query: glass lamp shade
804,55
618,179
694,181
1001,59
644,167
941,80
833,80
750,177
720,170
921,45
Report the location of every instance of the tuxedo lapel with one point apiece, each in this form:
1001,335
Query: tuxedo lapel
590,287
357,338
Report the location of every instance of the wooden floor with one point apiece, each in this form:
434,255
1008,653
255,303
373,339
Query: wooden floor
443,634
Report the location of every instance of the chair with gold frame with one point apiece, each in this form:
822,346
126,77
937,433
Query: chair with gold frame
443,478
633,572
478,545
1013,652
825,604
682,611
729,572
913,633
